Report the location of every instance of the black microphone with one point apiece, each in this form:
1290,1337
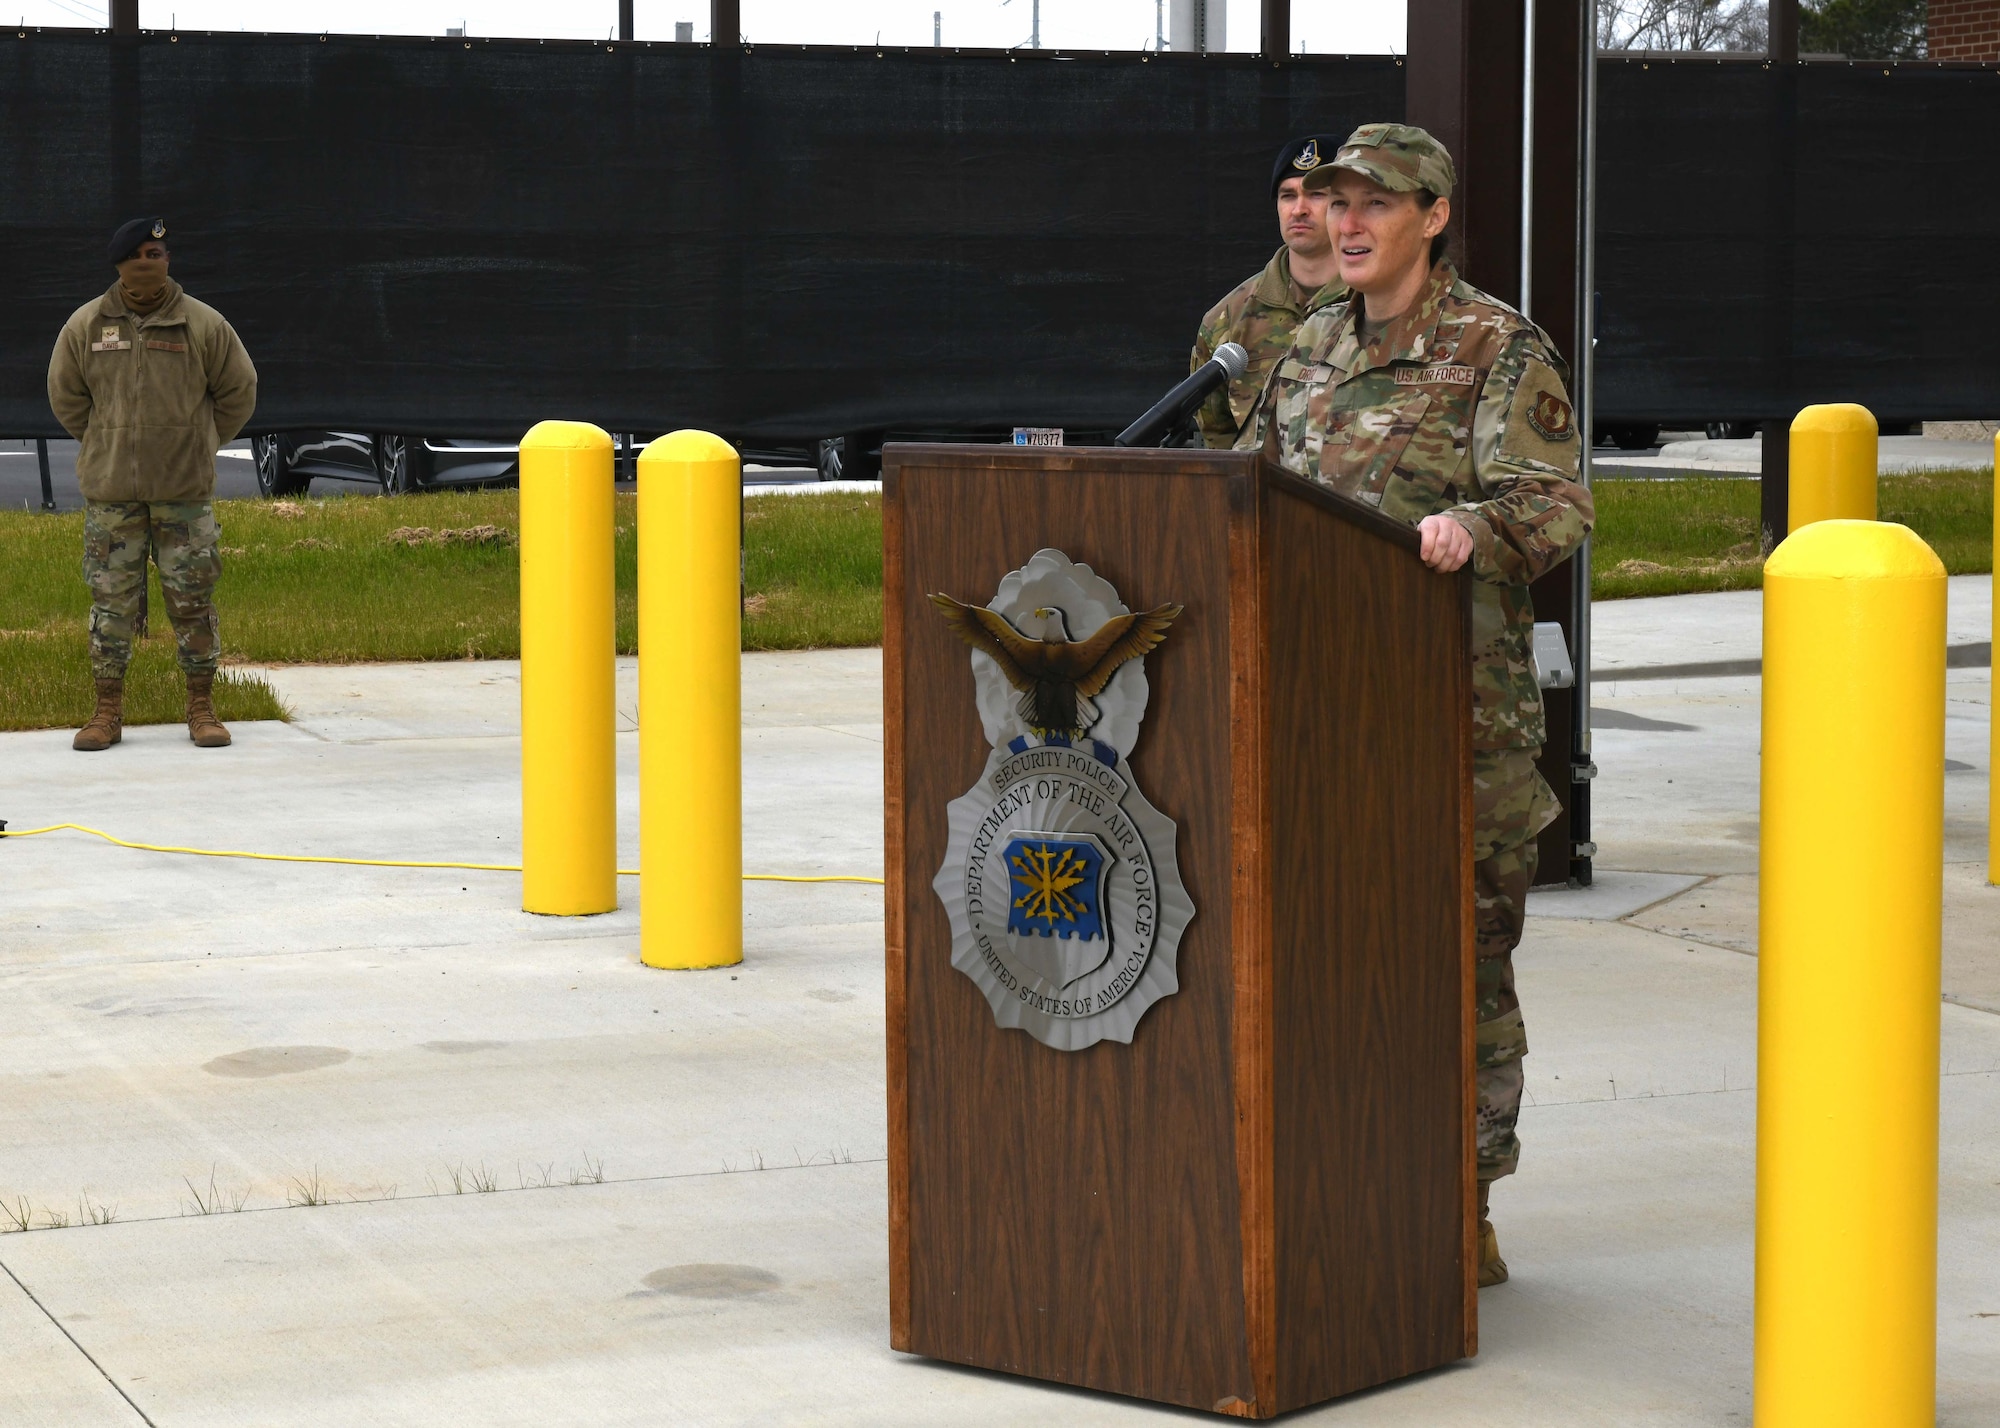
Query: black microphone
1229,362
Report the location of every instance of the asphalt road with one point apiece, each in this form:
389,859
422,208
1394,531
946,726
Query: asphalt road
235,478
21,480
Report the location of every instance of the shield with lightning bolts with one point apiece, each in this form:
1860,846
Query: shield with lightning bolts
1055,919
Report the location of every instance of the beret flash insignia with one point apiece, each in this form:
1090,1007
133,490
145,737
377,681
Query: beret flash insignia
159,228
1308,157
1550,416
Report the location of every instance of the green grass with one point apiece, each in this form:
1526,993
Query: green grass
325,582
812,569
1673,537
46,676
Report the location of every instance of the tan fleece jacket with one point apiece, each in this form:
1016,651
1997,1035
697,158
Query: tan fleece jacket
150,398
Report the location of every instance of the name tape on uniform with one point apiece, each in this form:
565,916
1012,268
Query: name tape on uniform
1449,376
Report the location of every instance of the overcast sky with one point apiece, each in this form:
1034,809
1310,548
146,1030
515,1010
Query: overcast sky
1318,26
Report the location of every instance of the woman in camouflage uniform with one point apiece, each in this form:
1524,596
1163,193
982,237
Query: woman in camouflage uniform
1445,408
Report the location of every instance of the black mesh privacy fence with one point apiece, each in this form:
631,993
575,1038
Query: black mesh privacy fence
1769,239
422,235
778,244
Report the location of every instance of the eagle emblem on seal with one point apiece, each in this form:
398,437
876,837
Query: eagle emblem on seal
1060,879
1055,674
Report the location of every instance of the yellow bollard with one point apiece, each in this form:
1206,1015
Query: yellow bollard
569,795
690,702
1833,465
1848,926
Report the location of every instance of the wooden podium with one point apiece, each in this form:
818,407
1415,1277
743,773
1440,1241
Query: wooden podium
1264,1200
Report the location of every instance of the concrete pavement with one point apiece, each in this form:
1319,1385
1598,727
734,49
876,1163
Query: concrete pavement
1734,456
377,1148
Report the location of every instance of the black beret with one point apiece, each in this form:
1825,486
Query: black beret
131,235
1302,156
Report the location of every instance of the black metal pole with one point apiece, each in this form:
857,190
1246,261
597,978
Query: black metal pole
725,22
1583,768
1277,29
1776,465
1775,503
42,460
1784,31
625,20
125,113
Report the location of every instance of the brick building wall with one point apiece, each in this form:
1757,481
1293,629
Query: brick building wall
1964,29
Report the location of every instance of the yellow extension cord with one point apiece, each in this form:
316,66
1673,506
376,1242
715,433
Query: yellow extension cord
383,862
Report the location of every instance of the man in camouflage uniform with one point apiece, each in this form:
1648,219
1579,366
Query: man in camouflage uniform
151,383
1445,408
1263,313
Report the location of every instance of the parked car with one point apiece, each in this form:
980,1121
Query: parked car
1639,435
287,461
858,455
1628,435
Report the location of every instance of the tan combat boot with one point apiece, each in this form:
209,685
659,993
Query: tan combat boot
105,727
203,727
1492,1268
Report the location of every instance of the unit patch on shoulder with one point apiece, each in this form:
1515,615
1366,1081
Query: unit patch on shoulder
1550,415
1540,426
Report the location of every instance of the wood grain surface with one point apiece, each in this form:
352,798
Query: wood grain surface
1260,1201
1368,713
894,943
1251,940
1073,1215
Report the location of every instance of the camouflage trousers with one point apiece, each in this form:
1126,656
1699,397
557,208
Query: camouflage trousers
1511,803
180,537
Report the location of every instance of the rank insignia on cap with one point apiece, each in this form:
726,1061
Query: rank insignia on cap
1308,157
159,228
1550,416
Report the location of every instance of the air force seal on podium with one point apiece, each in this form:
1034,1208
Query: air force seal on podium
1059,878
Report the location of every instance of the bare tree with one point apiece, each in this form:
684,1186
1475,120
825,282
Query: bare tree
1865,29
1683,25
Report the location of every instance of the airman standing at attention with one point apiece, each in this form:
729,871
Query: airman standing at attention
151,383
1263,312
1446,408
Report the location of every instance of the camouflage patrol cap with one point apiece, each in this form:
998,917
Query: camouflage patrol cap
1400,157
